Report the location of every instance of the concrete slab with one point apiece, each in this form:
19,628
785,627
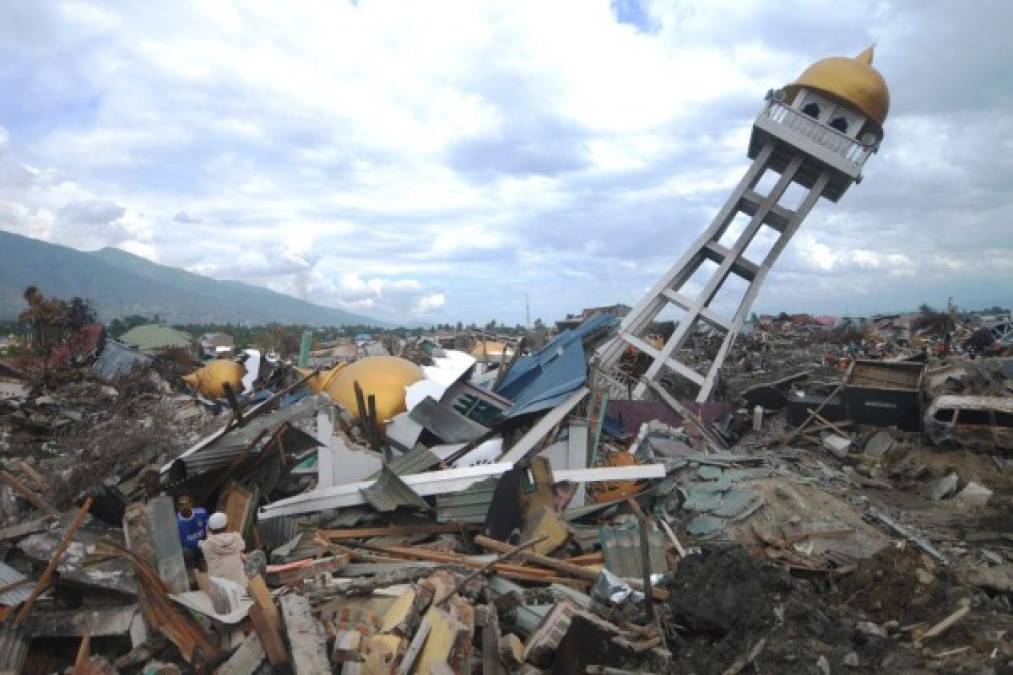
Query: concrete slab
703,525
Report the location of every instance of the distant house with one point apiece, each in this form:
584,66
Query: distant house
217,344
153,338
574,320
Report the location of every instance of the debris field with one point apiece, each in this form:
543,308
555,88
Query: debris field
436,509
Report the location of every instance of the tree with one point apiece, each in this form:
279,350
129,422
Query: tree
46,320
79,314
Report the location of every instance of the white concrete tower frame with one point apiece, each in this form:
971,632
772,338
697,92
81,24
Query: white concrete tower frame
818,133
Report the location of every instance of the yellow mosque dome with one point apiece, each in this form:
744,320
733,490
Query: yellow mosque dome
492,349
209,380
852,81
385,377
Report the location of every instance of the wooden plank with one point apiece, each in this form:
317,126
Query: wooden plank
239,504
575,571
455,559
47,575
162,615
415,647
490,643
83,656
34,499
245,660
394,531
305,636
26,528
266,622
40,482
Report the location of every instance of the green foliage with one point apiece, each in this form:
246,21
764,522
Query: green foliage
118,327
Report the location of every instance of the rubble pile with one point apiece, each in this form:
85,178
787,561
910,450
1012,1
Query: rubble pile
508,510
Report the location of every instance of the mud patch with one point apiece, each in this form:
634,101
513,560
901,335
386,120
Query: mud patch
899,584
723,603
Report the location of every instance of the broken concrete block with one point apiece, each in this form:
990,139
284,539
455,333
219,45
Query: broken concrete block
879,444
380,655
735,503
703,525
546,522
541,646
993,579
441,668
347,646
945,487
305,636
871,629
449,641
356,618
511,650
398,615
591,640
705,497
708,472
158,668
246,659
439,584
974,495
839,446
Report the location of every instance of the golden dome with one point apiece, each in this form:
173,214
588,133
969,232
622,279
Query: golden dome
209,380
491,349
319,382
383,376
852,81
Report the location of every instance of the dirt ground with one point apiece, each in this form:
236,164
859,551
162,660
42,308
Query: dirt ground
724,603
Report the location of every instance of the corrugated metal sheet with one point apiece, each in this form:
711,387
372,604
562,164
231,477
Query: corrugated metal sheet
419,460
13,649
469,506
446,423
17,595
223,451
118,360
389,492
621,548
544,379
276,531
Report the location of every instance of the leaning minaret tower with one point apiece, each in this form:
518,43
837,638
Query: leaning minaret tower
816,132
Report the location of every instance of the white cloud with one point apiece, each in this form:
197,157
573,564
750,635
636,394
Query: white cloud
429,304
445,158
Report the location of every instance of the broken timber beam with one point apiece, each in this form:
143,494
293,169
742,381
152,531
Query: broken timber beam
502,557
37,478
34,499
394,531
47,574
264,615
575,571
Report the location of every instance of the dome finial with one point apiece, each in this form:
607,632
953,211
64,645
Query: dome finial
866,55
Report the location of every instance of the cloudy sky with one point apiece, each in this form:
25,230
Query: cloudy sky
436,161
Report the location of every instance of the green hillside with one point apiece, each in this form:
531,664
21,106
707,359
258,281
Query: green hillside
119,284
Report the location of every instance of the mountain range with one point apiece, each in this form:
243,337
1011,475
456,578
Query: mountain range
119,284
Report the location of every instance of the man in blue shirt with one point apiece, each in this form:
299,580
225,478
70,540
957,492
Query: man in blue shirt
192,523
